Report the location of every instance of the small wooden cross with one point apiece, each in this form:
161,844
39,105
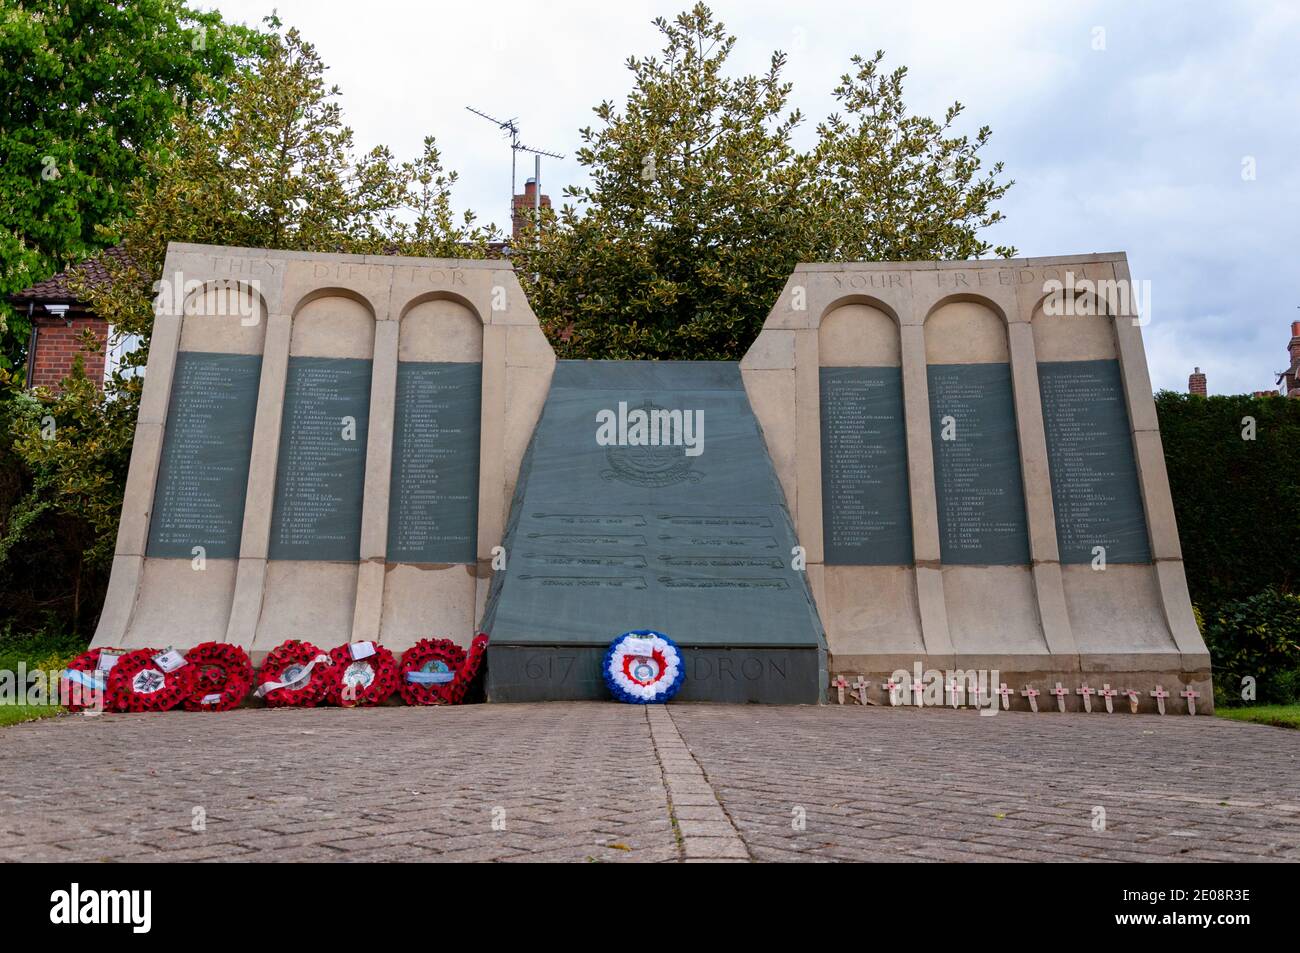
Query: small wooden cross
1159,694
1191,695
1108,693
1006,696
892,687
918,691
952,692
839,682
1133,698
1060,692
1087,694
974,693
860,689
1032,694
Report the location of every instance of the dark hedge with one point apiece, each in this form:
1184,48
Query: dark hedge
1237,500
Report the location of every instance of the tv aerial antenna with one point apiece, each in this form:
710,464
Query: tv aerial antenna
511,128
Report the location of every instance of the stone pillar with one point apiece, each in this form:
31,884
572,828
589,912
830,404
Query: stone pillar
379,460
925,510
250,577
1044,554
492,503
141,478
808,445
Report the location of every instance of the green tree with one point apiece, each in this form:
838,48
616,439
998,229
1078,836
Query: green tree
87,89
269,165
897,187
699,205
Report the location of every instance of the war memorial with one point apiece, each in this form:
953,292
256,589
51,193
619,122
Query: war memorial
918,466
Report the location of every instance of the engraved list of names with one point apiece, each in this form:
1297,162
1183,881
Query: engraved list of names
320,478
203,473
981,497
433,497
866,516
1094,475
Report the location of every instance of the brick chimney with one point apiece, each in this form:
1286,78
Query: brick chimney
1290,378
1196,382
523,208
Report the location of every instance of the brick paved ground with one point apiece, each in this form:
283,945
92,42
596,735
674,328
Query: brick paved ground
613,782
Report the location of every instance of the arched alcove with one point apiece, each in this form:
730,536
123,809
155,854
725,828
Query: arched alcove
441,329
965,331
1080,329
858,335
224,317
333,324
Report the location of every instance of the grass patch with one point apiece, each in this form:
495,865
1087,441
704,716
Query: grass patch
41,651
16,714
1280,716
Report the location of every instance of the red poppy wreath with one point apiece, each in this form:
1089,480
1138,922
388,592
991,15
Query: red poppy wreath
222,677
139,683
83,682
469,671
295,674
429,671
364,674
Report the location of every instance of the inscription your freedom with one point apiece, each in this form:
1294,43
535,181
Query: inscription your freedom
948,278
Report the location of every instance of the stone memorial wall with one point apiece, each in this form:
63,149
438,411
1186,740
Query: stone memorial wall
947,466
327,448
1000,414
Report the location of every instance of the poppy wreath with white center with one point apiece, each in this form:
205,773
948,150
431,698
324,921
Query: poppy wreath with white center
469,671
223,676
136,683
301,672
349,693
86,688
429,671
642,677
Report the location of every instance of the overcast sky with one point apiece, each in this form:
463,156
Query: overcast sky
1166,130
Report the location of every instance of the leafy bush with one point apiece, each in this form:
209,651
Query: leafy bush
44,650
1259,638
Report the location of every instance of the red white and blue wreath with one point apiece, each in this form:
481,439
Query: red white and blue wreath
295,674
643,667
429,671
85,680
363,674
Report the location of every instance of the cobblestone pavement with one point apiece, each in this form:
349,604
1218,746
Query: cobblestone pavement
606,782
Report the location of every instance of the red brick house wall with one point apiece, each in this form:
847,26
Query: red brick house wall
59,341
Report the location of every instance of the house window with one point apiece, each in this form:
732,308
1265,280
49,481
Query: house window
119,346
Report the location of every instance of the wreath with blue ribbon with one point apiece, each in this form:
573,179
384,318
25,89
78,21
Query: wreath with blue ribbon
643,667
